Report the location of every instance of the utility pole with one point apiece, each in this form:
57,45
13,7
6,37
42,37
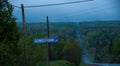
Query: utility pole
48,45
24,38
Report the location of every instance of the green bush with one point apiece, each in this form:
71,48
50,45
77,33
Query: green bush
68,50
72,51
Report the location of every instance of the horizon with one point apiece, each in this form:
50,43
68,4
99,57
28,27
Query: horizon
78,22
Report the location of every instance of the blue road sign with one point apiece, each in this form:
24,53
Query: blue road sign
45,40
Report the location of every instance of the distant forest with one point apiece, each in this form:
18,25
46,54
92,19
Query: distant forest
101,38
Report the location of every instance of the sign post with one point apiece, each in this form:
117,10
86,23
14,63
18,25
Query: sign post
47,40
47,45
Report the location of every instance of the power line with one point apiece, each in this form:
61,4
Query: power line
57,4
86,12
53,4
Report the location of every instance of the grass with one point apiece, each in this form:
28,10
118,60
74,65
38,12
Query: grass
61,63
83,64
91,56
57,63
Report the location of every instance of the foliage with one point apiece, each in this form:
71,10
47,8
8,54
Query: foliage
59,51
57,63
35,53
82,64
116,50
67,50
9,36
67,39
61,63
100,40
72,51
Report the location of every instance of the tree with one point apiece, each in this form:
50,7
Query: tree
116,50
9,35
72,51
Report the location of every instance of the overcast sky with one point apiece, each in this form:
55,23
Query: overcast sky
85,11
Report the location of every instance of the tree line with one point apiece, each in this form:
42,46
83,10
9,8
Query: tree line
102,40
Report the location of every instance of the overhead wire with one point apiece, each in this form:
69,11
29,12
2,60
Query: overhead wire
65,3
98,8
73,2
93,9
88,11
58,4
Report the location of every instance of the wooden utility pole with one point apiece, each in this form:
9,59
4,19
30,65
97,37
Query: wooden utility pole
48,45
48,32
25,34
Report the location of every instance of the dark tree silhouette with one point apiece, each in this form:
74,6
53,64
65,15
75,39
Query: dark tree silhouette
8,35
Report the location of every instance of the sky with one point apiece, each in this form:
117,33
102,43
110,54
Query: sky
96,10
